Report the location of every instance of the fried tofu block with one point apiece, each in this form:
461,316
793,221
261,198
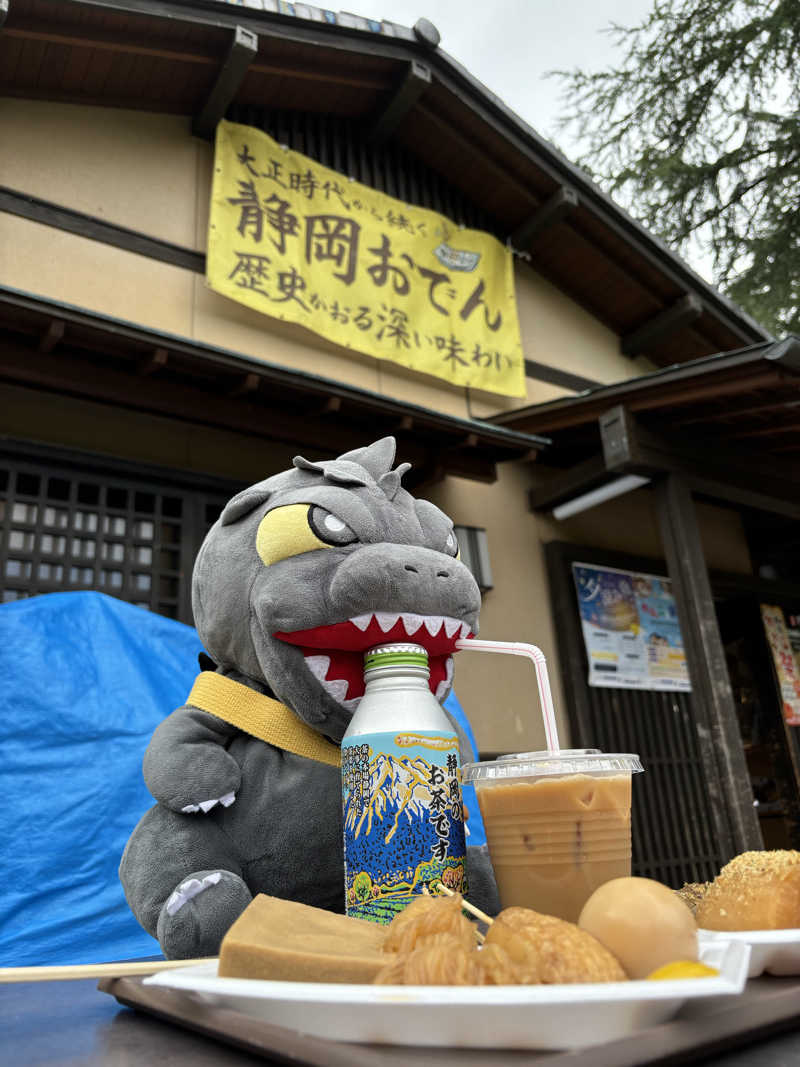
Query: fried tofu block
754,891
285,941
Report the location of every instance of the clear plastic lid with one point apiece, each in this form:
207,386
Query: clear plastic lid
552,764
562,752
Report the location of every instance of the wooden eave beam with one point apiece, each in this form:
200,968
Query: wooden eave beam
245,386
628,448
417,79
110,385
156,361
786,354
680,315
769,430
52,335
571,483
241,53
259,414
106,41
112,337
554,210
731,412
653,395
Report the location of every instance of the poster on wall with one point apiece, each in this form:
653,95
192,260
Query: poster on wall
785,661
299,242
630,629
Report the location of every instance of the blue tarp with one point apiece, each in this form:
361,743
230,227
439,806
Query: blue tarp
86,679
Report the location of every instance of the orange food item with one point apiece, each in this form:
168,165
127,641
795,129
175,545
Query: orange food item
683,969
754,891
497,968
425,917
549,950
438,959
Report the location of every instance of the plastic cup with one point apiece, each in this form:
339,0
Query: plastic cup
557,825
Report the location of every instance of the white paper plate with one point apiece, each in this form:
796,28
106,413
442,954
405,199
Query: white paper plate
543,1017
773,951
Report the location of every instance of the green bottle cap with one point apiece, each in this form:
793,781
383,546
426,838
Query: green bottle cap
395,655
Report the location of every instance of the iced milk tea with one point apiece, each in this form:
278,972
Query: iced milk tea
555,837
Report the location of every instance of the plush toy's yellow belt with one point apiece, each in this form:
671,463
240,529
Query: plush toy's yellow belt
260,716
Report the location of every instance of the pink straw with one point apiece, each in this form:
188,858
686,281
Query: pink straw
517,648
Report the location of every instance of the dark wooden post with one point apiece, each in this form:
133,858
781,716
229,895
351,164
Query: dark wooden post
712,698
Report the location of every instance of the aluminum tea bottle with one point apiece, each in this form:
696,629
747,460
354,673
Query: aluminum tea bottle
401,788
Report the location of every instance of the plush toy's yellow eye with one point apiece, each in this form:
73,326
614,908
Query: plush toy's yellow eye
297,528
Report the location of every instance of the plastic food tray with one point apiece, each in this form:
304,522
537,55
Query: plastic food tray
527,1017
771,951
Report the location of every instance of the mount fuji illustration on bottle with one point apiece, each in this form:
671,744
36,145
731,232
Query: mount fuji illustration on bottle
403,820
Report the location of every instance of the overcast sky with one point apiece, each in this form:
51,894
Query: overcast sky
510,44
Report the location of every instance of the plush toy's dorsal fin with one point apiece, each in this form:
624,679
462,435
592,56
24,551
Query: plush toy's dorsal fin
362,466
244,502
390,482
335,470
376,458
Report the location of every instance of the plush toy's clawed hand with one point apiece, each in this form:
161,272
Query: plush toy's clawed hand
187,766
188,889
207,805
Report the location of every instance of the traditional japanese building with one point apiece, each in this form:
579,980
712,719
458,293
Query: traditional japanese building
135,397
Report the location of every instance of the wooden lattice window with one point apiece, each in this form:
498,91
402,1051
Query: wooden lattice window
64,526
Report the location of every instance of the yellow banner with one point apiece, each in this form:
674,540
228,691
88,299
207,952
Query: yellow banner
297,241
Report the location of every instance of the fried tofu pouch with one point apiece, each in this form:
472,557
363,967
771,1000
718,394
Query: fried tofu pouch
754,891
546,950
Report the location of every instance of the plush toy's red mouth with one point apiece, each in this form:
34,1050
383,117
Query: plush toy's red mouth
335,654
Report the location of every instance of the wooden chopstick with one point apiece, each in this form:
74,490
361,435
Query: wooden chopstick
465,904
58,972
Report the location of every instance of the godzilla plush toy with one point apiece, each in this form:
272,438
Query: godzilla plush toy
299,575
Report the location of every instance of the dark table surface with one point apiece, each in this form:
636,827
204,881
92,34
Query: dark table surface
74,1023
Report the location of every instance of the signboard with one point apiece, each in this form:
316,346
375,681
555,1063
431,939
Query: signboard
301,243
783,657
630,629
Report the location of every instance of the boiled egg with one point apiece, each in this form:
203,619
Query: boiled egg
642,922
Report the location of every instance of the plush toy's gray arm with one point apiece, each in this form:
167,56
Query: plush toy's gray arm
186,761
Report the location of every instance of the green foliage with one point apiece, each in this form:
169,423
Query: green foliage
697,133
362,884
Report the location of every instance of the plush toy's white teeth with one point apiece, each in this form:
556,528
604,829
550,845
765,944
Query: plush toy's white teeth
338,690
412,623
337,687
318,665
446,682
385,621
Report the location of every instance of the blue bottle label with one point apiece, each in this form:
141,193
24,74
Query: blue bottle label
403,819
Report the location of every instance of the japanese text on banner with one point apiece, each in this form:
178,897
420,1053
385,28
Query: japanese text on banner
785,663
299,242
